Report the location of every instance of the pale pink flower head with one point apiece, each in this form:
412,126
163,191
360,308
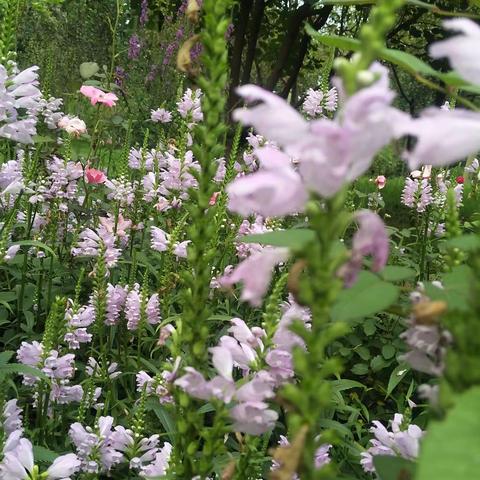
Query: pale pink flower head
370,239
275,189
98,96
253,418
72,125
380,182
255,273
443,137
461,50
95,176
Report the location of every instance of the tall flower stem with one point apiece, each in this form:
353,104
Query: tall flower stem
318,288
194,331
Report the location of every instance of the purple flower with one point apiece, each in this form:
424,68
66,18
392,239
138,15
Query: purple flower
11,418
370,239
330,152
253,418
59,367
189,107
144,13
461,50
132,307
116,296
276,189
134,47
160,240
160,115
153,310
402,440
159,466
255,273
443,137
312,104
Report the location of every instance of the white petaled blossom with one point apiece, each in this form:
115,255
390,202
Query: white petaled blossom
19,95
18,464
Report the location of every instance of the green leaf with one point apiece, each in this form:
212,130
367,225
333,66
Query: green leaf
378,363
44,455
395,273
367,297
294,238
456,288
5,357
466,243
20,368
88,69
451,448
369,326
388,351
395,468
164,416
360,369
346,384
37,244
397,375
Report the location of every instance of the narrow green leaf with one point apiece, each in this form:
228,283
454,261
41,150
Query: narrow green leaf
397,375
36,243
395,273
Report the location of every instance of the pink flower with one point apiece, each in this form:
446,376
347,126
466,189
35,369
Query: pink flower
275,189
72,125
95,176
97,96
255,273
253,418
370,239
380,182
443,137
461,50
213,198
330,152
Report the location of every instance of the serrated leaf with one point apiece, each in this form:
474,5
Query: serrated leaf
20,368
5,357
450,449
293,238
388,467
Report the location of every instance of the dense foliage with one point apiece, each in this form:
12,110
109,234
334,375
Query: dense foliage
239,239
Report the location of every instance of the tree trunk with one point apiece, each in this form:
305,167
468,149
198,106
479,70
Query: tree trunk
255,25
237,51
294,26
303,50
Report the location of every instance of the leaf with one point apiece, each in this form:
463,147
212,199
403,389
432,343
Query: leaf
388,351
466,243
369,326
20,368
5,357
456,288
293,238
360,369
388,467
35,243
42,454
407,61
367,297
164,416
397,375
450,450
88,69
395,273
345,384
